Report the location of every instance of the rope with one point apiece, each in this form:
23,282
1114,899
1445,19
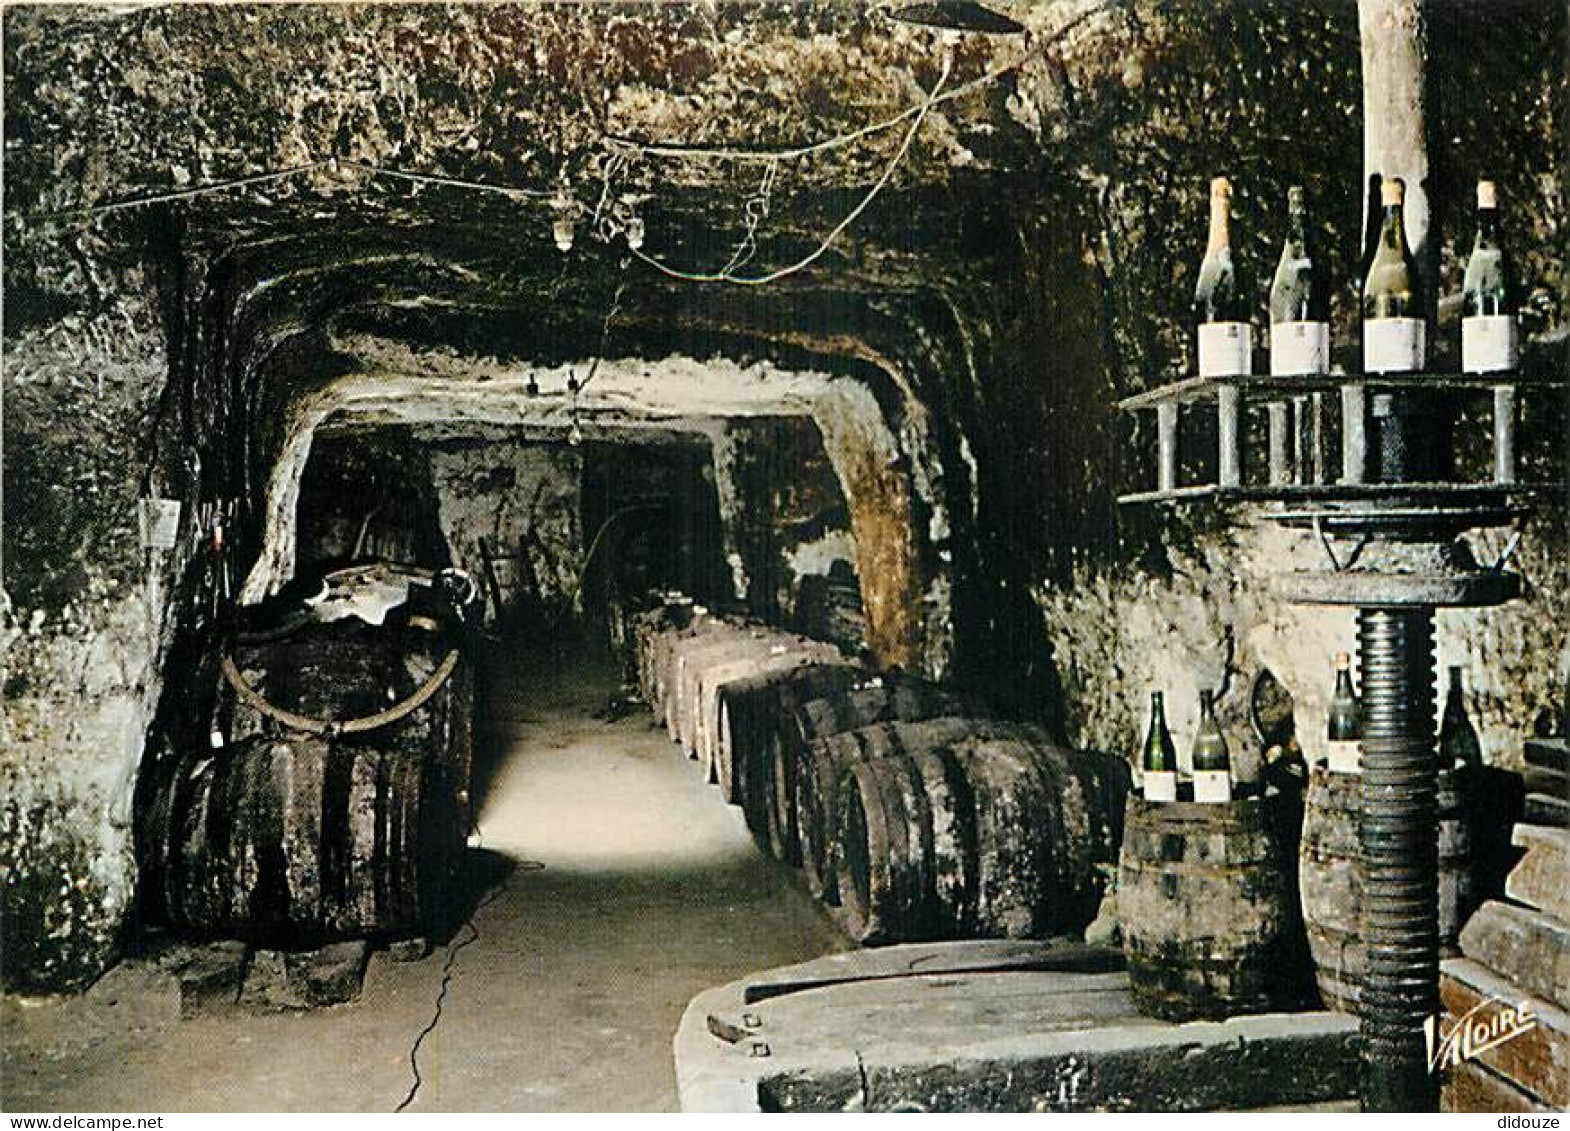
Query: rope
253,698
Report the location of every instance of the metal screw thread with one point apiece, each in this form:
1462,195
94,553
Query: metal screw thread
1400,848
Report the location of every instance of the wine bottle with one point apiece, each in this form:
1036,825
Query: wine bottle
1489,333
1225,339
1160,760
1459,744
1345,732
1299,306
1395,335
1212,762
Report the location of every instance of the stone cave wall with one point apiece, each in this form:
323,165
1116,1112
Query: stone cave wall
523,501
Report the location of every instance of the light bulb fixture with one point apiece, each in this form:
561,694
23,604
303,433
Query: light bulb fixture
562,232
634,232
566,209
575,433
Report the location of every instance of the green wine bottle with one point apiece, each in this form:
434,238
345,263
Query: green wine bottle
1490,340
1459,744
1159,764
1212,761
1223,334
1344,735
1299,307
1395,335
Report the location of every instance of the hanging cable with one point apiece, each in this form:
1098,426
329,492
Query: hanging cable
726,276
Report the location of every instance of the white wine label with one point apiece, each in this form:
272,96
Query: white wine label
1212,785
1490,343
1160,785
1298,348
1394,345
1344,757
1226,349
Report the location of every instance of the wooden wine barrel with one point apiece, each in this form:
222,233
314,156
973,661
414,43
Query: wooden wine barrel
980,837
648,628
752,713
1207,925
822,775
1330,878
281,835
770,656
666,661
794,751
298,839
689,659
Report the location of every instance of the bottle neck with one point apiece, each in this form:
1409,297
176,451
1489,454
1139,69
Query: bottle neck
1393,228
1487,227
1220,225
1297,240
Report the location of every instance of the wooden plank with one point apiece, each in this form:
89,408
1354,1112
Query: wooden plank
1541,779
1191,389
1471,1088
1524,946
1544,809
1542,878
1549,753
1537,1060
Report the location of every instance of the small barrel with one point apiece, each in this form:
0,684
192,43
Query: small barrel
649,629
752,713
1330,878
1207,924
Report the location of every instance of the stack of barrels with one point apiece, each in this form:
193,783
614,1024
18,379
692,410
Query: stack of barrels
912,815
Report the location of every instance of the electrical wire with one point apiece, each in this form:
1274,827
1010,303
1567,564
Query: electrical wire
727,276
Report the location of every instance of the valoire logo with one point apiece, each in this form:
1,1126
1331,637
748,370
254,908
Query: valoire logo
1475,1033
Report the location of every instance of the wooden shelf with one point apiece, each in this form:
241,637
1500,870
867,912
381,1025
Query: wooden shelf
1193,390
1300,411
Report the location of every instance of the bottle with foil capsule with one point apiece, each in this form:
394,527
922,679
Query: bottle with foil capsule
1344,735
1224,337
1299,303
1159,763
1212,761
1459,744
1490,340
1395,333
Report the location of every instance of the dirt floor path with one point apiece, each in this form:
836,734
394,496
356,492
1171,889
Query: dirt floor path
624,887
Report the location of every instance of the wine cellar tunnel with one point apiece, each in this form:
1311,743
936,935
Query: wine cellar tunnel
649,487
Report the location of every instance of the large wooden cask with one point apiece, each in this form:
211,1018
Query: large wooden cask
285,837
990,837
827,764
794,751
1208,925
